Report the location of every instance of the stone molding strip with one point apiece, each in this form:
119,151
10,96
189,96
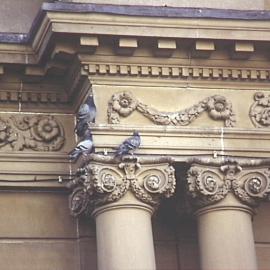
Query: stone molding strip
33,97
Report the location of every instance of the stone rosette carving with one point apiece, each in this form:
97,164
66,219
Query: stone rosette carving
260,110
38,133
207,185
103,180
124,103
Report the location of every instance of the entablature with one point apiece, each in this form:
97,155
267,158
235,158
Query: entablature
72,43
213,64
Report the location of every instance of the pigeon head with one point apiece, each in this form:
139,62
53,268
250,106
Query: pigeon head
136,133
88,134
90,100
83,109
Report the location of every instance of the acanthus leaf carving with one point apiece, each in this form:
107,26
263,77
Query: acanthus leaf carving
124,103
38,133
105,183
207,184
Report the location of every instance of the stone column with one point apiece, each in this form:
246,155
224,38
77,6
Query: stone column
122,197
224,197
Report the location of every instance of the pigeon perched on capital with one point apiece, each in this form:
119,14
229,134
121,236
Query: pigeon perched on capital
84,147
129,145
85,115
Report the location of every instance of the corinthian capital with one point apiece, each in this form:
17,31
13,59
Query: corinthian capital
104,180
210,183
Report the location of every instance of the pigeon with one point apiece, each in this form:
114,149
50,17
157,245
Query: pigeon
85,115
129,145
85,147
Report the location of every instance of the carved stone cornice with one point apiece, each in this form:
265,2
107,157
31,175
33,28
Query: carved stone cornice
208,184
104,180
55,57
124,103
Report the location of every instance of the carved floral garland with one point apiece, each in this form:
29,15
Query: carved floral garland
260,110
39,133
124,103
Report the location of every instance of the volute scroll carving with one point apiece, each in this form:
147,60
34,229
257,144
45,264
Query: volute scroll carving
124,103
99,183
208,184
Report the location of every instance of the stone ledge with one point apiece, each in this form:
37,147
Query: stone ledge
181,143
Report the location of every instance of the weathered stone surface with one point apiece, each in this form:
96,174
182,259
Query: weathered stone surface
22,14
261,224
36,215
242,4
190,98
39,255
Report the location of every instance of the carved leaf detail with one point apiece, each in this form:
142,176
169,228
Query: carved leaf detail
207,185
38,133
259,112
101,184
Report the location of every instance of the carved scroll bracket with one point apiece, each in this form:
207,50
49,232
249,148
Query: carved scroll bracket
103,180
208,184
124,103
38,132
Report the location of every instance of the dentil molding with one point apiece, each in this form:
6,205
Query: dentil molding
211,73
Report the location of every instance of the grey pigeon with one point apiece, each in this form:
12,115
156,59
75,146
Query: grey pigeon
129,145
86,146
85,115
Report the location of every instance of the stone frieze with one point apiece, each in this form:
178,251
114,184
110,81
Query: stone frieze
124,103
